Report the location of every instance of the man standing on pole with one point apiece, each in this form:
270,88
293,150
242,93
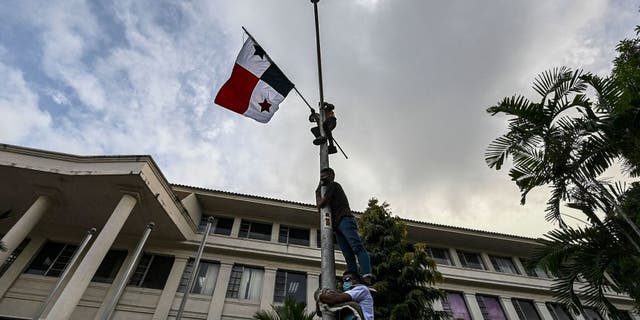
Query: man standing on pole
345,225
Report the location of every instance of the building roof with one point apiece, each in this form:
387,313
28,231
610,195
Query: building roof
423,223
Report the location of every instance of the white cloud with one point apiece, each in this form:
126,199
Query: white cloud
57,96
18,107
410,81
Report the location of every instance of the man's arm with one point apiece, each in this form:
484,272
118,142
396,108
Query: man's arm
324,201
334,298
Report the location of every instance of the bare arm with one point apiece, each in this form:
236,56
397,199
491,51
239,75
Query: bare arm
334,298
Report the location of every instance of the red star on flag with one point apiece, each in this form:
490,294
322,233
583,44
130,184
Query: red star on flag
264,106
254,76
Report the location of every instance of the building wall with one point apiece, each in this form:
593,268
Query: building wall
82,199
28,291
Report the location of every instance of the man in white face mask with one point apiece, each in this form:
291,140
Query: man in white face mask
354,291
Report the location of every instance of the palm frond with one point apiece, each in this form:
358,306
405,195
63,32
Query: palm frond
548,81
608,92
517,106
498,150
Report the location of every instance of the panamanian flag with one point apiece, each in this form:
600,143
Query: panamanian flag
256,86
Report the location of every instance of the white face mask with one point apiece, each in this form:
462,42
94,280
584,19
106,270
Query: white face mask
346,286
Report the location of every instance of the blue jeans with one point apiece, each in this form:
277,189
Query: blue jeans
352,246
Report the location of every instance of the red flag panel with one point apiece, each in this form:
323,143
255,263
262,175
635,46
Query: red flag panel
236,92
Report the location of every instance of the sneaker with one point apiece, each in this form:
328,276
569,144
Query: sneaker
320,140
332,149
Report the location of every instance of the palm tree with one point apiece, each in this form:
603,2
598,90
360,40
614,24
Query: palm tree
595,259
566,141
289,310
562,141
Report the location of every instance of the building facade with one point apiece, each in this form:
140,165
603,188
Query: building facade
258,250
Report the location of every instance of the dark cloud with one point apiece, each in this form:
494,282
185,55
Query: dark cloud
410,80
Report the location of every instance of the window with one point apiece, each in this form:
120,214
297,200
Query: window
471,260
558,311
441,256
221,225
245,283
54,257
591,314
152,271
536,272
255,230
455,306
525,309
109,267
13,256
293,235
503,264
491,308
289,283
205,278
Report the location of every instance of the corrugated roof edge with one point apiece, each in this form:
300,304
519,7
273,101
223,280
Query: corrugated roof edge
358,212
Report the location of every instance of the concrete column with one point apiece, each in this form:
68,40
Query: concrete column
509,309
543,310
192,205
170,288
16,268
275,232
454,257
73,291
437,305
268,288
313,241
220,291
313,284
487,261
21,229
519,266
235,229
474,308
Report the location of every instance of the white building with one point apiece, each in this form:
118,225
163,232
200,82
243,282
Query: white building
259,250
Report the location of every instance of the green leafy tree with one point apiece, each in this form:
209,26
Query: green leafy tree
405,274
566,141
625,119
289,310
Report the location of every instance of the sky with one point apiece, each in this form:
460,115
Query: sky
411,81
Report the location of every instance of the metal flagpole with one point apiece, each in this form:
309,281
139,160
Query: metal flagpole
65,273
296,89
196,262
128,272
327,264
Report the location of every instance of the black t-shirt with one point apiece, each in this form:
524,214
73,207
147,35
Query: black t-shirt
337,202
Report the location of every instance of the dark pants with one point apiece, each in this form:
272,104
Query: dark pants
328,125
352,246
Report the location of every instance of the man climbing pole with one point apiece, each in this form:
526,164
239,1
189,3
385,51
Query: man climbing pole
328,125
355,302
345,225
